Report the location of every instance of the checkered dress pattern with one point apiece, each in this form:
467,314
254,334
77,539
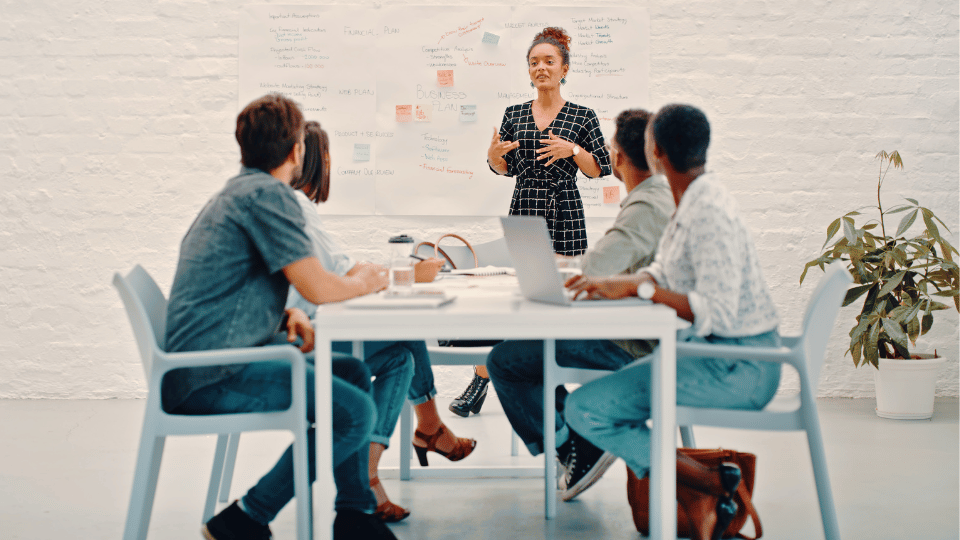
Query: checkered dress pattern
552,191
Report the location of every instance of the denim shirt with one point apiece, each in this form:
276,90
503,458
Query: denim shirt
229,289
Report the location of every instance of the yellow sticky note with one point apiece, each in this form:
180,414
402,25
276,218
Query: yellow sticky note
444,77
611,194
404,113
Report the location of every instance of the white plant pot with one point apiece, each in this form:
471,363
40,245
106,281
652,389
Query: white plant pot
906,388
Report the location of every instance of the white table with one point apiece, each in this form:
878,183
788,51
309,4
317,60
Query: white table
498,313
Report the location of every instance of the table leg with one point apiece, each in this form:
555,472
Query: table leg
324,488
549,429
663,469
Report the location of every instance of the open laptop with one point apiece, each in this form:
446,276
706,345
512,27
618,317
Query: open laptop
531,250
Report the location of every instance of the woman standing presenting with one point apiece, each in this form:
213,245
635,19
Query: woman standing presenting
545,141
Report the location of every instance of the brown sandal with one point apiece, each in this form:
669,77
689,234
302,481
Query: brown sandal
389,512
462,448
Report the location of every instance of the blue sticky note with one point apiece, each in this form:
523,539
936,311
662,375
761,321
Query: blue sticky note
361,152
468,113
492,39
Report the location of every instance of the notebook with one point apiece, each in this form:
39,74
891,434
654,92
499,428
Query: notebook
417,300
531,250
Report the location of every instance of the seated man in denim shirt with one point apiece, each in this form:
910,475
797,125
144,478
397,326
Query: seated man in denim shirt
236,262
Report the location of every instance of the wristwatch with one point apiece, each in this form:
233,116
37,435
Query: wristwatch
646,290
576,150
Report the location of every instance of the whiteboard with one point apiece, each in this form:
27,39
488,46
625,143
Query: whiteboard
410,95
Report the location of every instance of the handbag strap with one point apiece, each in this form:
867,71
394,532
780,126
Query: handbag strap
748,503
437,250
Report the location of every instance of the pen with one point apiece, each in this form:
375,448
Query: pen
417,257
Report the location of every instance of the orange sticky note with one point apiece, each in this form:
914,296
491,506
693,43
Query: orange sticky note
404,113
611,194
444,77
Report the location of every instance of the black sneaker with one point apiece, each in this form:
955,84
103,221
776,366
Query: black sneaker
583,464
472,398
234,524
355,525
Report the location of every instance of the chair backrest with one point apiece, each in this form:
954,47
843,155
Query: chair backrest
147,310
821,314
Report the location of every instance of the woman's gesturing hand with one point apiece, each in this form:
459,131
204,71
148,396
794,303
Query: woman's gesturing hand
499,148
555,148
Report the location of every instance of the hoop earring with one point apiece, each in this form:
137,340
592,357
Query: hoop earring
563,80
531,85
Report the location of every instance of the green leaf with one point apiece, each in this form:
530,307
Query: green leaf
892,283
849,230
901,208
952,292
913,330
926,322
914,201
856,333
832,230
870,351
895,332
932,229
855,352
906,222
856,292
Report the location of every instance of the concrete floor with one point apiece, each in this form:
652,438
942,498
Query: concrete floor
66,470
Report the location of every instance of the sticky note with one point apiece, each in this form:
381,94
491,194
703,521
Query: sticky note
423,113
444,77
611,194
361,152
404,113
492,39
468,113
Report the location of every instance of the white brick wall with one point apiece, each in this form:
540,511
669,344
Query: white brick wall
116,123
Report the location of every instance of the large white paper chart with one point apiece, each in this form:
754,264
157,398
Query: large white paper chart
411,95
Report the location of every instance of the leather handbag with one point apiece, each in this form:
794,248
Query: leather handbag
638,494
437,252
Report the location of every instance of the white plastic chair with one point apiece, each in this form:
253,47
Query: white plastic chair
146,308
784,413
493,253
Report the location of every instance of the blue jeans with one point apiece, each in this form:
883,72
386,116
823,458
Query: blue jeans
516,370
392,379
265,386
612,412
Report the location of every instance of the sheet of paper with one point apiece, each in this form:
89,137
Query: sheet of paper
492,39
468,113
423,113
361,152
444,77
611,194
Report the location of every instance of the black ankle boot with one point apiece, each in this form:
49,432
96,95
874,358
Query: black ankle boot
472,398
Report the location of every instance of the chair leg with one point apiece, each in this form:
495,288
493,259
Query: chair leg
818,458
549,429
406,440
216,474
229,463
144,486
686,437
301,487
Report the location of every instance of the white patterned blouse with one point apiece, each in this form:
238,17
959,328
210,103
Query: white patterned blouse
707,253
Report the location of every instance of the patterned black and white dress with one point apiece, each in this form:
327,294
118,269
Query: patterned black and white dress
552,191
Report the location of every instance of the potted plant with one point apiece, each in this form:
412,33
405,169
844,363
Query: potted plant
901,279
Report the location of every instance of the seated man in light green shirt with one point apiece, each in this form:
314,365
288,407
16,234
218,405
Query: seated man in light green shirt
631,242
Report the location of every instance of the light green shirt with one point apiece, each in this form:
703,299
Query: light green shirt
631,242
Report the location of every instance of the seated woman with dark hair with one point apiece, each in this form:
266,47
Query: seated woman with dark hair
393,378
707,269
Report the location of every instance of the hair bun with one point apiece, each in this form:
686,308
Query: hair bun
556,33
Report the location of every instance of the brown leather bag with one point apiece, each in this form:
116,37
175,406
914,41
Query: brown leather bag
638,494
437,252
